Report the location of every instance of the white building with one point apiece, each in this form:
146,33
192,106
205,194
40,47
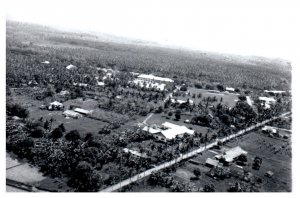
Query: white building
136,153
100,83
230,89
71,67
151,81
72,114
231,154
46,62
274,91
64,92
267,101
154,78
55,106
180,101
82,111
168,131
269,129
212,163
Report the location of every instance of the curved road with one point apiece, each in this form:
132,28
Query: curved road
184,156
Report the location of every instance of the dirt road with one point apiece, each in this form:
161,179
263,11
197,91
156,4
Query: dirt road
184,156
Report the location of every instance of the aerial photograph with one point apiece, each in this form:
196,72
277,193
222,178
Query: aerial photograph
124,96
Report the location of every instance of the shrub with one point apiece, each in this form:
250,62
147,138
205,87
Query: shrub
16,110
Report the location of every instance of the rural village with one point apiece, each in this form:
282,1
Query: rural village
97,125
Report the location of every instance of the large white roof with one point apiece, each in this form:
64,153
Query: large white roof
233,153
152,77
271,99
79,110
269,128
173,130
274,91
71,113
230,89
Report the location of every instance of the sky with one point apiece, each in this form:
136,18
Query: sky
263,28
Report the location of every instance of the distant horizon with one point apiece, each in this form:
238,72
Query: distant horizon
247,28
148,43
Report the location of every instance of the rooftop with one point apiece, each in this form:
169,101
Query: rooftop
173,130
46,62
269,128
267,99
180,101
274,91
232,153
212,162
169,130
71,113
83,111
71,67
55,103
152,77
100,83
230,89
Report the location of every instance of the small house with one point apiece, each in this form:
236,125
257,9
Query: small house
211,163
71,67
82,111
46,62
267,101
269,129
168,131
231,155
269,174
55,106
72,114
100,83
230,89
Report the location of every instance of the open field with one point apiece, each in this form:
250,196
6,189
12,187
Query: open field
13,189
229,99
83,125
255,144
276,155
22,172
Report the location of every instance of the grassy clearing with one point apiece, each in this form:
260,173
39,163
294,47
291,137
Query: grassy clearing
278,162
229,99
54,184
23,173
11,162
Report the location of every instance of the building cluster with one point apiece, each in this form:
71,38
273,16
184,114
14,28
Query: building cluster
168,131
151,81
226,158
267,101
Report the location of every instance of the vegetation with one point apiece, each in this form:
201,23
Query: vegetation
85,160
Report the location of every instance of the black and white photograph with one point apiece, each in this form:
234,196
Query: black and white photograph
149,96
